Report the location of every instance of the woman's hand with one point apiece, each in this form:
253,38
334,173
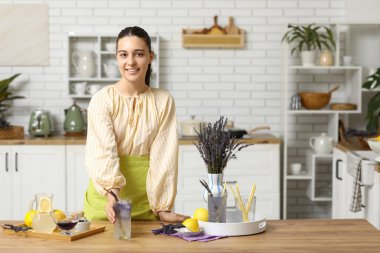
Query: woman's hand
171,217
110,204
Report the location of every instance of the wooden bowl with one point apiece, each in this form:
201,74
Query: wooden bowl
314,100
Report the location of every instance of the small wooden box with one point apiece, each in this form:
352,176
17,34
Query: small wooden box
12,132
191,40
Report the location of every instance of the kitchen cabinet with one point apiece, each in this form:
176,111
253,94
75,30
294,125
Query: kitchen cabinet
343,188
92,61
259,163
77,177
29,169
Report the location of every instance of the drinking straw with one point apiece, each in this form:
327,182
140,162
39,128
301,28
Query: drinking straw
238,199
224,188
251,195
242,207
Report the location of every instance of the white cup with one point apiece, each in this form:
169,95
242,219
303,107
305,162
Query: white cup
347,60
93,88
295,168
78,88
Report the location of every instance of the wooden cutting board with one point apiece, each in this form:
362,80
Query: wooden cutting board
56,234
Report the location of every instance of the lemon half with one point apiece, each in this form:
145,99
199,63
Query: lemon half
191,224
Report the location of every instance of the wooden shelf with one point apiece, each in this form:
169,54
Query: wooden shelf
338,67
191,40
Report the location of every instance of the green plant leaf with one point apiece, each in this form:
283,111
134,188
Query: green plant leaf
14,97
5,83
309,37
373,105
372,124
372,81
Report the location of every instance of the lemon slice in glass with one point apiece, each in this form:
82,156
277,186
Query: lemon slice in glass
44,204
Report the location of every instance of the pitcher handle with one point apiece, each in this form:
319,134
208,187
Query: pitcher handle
311,142
31,204
74,55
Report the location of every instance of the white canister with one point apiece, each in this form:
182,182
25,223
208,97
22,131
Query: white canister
322,144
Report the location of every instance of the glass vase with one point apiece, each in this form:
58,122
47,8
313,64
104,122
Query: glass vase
215,183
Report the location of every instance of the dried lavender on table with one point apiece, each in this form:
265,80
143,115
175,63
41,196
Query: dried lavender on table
216,146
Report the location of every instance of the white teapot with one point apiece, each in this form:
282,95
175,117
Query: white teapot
322,144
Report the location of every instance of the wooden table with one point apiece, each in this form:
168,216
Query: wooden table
281,236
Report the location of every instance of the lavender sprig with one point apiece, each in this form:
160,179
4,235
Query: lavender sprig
216,146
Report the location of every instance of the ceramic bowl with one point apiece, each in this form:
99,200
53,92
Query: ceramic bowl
374,145
83,225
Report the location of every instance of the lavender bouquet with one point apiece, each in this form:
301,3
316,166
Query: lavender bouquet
216,146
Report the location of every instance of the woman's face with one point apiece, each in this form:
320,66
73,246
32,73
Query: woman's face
133,58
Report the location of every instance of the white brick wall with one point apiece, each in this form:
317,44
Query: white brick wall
244,84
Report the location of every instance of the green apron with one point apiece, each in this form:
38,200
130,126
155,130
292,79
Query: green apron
134,169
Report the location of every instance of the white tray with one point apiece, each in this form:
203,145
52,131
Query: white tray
235,228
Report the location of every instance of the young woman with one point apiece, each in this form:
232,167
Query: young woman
132,143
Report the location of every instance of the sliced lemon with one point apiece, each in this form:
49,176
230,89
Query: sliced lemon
44,204
201,214
191,224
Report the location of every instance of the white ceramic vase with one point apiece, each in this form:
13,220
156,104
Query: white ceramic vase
215,183
308,58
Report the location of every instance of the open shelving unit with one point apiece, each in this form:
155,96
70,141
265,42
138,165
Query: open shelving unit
362,42
96,44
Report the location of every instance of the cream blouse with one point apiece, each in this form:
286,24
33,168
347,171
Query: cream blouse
115,129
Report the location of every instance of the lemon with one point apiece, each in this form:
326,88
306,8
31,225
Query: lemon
201,214
59,215
44,204
191,224
377,138
28,219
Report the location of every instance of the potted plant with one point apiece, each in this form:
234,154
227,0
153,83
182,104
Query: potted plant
6,130
216,148
307,38
372,81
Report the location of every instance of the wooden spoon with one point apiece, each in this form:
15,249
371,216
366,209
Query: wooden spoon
333,89
258,128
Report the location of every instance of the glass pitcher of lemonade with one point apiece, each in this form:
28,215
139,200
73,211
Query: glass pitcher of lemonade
43,221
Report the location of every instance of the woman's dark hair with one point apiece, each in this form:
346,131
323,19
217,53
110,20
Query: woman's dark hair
141,33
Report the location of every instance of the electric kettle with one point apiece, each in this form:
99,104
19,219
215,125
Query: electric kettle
74,124
40,123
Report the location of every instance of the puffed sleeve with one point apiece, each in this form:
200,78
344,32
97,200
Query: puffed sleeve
101,157
163,168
